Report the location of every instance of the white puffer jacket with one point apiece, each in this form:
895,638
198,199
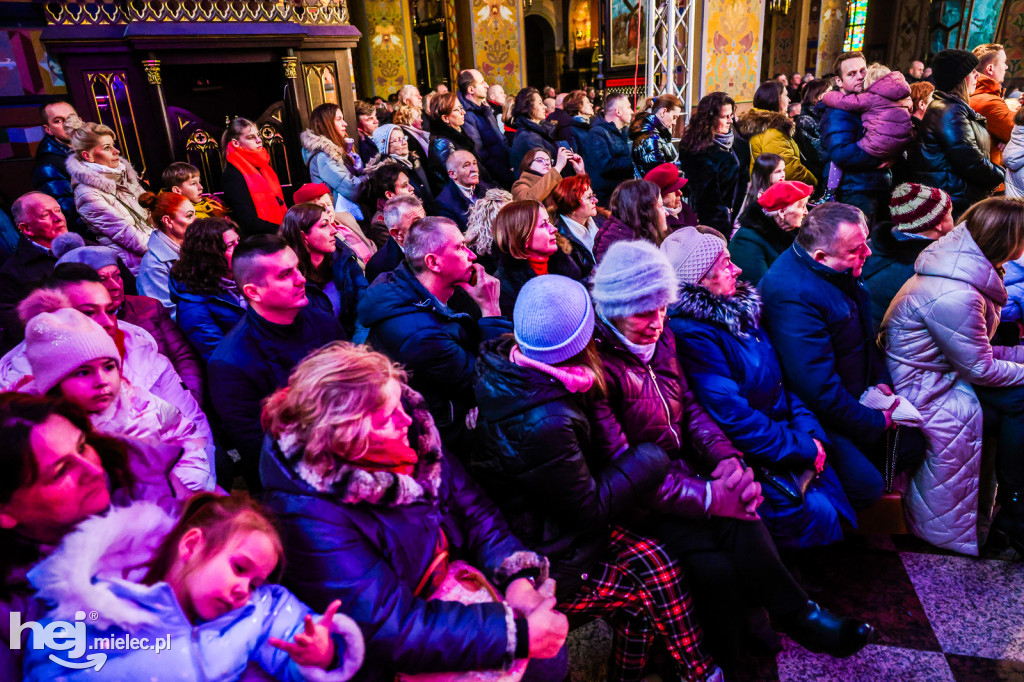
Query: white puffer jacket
109,203
936,335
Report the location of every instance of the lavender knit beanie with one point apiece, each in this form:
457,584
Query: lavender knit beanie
553,319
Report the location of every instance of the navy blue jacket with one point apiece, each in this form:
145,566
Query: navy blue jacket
575,132
607,156
387,258
50,176
491,148
252,361
840,132
204,318
530,135
443,141
436,344
819,321
889,266
452,203
370,554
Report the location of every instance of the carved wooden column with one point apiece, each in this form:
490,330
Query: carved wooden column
152,68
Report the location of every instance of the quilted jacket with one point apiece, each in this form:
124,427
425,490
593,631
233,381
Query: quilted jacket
887,127
936,339
1013,162
652,144
840,132
50,176
146,312
772,132
109,203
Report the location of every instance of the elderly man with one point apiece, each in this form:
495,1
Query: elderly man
400,212
817,312
50,174
483,128
463,189
409,319
39,220
988,100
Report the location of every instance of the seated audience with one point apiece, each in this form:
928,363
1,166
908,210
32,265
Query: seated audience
183,178
576,127
447,135
331,159
411,121
393,145
768,227
528,246
107,191
386,182
348,230
920,215
538,177
202,286
251,187
372,506
480,233
531,130
677,212
334,279
936,337
201,579
253,360
483,125
576,208
716,179
170,214
50,173
608,148
637,212
399,214
366,123
462,190
409,319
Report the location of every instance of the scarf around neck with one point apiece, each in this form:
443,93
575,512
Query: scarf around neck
576,379
725,141
644,353
393,455
261,180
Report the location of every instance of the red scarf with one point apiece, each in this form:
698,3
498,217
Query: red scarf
539,266
260,178
393,455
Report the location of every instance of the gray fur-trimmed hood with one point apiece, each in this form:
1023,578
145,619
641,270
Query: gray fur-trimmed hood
740,313
314,144
83,175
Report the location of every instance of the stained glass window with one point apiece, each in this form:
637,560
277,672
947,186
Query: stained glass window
856,19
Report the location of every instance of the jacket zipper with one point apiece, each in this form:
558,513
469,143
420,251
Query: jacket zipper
664,403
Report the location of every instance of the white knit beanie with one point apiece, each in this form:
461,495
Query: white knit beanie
57,343
633,278
692,253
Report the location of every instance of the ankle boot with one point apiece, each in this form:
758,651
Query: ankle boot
1008,525
821,631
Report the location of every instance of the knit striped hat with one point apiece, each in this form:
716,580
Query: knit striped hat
916,208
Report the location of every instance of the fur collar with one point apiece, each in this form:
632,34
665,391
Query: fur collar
353,485
81,174
757,121
740,314
101,549
315,144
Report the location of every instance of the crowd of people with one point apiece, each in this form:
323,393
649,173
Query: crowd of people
506,361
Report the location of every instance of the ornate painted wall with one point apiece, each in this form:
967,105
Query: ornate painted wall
1012,37
831,33
498,42
910,40
784,42
387,33
730,55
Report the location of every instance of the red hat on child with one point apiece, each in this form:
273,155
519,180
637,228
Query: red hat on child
666,176
309,192
783,194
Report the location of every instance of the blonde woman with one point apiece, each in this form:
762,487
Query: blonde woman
107,191
480,232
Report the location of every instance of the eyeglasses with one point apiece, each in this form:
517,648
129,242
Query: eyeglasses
459,108
589,196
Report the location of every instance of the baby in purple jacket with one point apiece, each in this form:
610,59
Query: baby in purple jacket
884,109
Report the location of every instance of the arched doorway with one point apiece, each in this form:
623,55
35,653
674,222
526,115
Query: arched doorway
539,38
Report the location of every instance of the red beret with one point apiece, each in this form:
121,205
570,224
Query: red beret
666,176
310,192
783,194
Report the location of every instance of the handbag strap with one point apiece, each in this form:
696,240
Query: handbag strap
892,447
436,569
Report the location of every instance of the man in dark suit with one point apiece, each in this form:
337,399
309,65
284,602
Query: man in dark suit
400,213
463,189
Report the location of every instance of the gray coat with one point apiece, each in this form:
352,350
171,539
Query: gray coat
936,337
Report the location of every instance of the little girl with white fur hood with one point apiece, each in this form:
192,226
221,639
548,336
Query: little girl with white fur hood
198,586
72,357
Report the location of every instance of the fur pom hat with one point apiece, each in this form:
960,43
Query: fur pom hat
632,278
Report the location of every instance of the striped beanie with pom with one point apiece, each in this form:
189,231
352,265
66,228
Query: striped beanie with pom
916,208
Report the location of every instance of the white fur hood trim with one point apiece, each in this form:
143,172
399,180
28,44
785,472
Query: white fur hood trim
83,175
314,144
115,546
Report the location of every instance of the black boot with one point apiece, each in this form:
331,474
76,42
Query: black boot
820,631
1008,525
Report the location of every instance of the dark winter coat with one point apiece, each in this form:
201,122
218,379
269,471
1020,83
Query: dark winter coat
252,361
652,144
488,136
151,315
808,140
443,141
243,209
613,230
387,258
713,181
368,540
205,318
452,203
350,284
366,148
819,321
889,266
736,376
437,345
758,242
539,463
516,272
580,254
22,272
50,176
954,152
607,155
575,132
840,133
771,132
530,135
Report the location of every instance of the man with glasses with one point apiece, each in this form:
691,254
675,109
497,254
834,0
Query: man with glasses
483,128
817,312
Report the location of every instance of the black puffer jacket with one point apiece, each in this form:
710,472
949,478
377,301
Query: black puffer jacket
808,139
954,152
652,144
50,176
538,465
443,141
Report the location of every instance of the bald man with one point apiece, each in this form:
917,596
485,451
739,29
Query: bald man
463,189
